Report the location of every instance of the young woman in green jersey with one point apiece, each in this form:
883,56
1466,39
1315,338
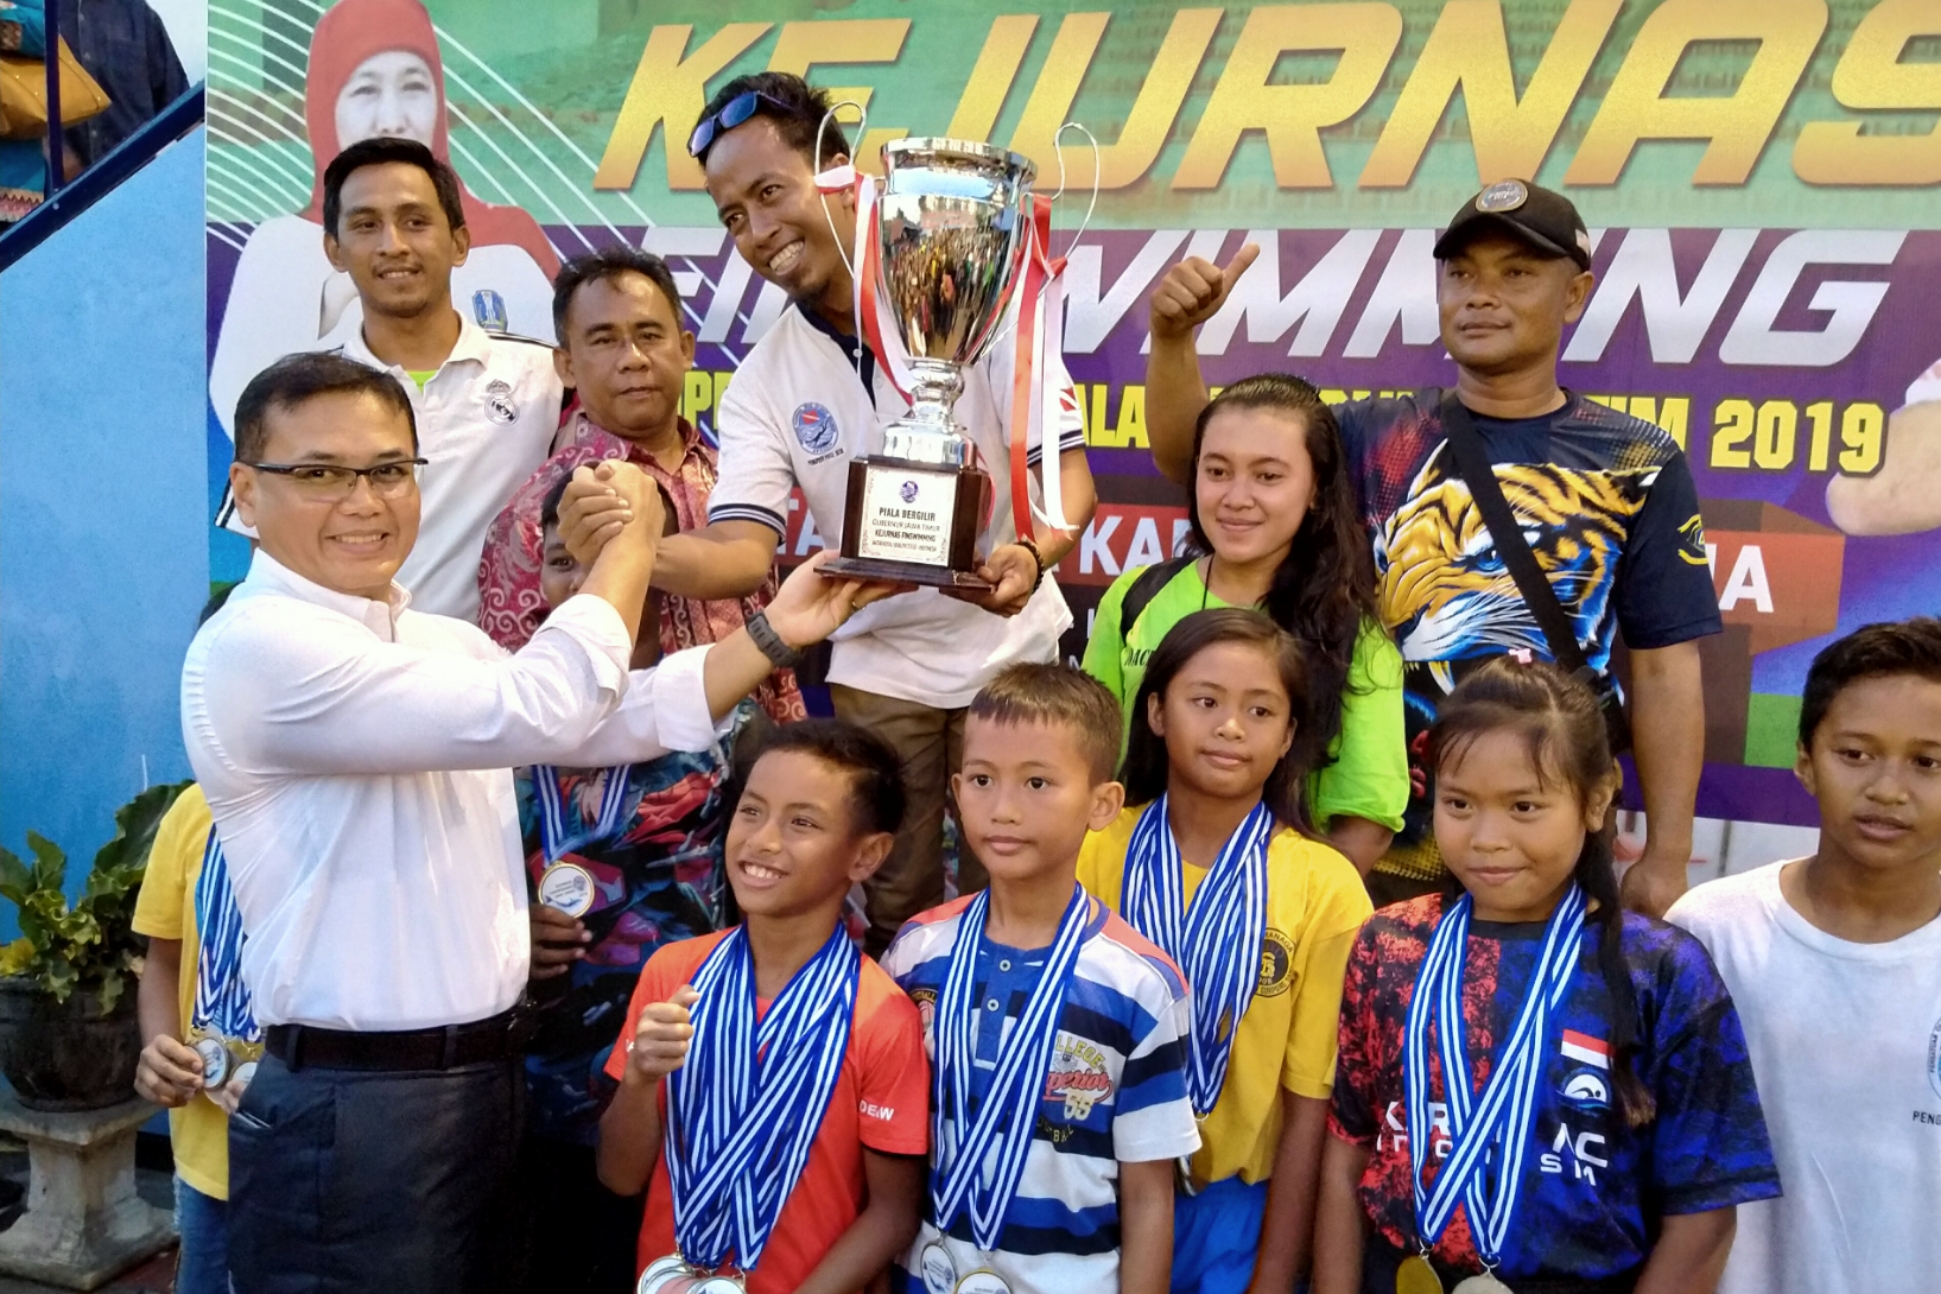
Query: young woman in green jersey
1275,527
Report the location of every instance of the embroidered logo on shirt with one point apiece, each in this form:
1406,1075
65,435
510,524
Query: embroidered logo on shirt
815,427
499,406
926,1000
1077,1077
1276,964
488,307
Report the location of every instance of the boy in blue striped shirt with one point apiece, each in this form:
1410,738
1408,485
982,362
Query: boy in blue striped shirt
1056,1031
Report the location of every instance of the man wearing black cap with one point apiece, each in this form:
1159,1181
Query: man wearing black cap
1603,501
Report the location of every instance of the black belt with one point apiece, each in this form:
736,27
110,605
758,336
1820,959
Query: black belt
447,1047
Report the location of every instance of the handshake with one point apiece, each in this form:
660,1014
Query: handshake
609,501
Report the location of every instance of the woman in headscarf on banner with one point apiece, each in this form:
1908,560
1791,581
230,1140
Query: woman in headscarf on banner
374,69
23,162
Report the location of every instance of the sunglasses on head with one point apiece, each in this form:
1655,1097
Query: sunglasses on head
733,113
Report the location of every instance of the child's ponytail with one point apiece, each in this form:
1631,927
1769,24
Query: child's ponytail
1560,719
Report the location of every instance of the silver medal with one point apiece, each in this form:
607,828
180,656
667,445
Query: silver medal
661,1273
215,1061
983,1282
568,887
1483,1284
939,1273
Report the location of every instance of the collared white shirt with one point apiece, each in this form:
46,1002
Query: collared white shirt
357,756
802,406
486,421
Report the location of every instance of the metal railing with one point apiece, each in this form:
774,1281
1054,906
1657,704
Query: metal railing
129,156
56,146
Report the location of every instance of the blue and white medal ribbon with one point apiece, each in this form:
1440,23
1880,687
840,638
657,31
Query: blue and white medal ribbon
1495,1129
1216,941
980,1160
556,837
744,1108
222,1011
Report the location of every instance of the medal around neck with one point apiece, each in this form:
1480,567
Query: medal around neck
568,887
1216,941
1414,1276
744,1108
1492,1128
982,1281
980,1160
1486,1283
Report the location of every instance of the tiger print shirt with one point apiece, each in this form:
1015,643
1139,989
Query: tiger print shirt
1608,506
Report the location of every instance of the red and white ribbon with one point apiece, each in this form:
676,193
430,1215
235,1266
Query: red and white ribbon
1039,297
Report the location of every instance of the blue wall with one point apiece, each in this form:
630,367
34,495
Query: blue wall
104,550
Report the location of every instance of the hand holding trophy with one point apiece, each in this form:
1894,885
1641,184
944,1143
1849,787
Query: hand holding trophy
945,245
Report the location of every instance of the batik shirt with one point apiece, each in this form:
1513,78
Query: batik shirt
511,606
657,878
1608,507
1593,1188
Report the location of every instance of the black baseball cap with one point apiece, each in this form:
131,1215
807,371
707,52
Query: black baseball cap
1543,218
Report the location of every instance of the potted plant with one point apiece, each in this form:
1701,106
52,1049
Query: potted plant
69,1039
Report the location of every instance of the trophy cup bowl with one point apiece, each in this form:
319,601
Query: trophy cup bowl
952,228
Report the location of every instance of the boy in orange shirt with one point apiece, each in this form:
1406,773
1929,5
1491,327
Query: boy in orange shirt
803,1170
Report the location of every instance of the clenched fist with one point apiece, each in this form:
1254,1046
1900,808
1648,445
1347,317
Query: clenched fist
169,1072
662,1036
1192,292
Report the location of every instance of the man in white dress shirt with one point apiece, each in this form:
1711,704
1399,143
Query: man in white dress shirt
356,754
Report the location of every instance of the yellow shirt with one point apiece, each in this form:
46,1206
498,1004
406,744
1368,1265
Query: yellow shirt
1315,907
165,909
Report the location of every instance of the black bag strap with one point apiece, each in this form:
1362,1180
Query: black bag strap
1146,588
1466,444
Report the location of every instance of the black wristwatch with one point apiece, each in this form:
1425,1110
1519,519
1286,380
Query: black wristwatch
763,634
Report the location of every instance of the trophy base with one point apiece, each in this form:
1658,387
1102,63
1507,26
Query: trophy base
867,568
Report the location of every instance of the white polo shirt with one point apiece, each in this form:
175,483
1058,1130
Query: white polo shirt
805,403
486,421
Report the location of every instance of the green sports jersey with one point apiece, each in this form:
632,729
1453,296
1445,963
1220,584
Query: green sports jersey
1369,777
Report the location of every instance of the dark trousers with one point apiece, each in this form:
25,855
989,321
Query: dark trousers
584,1238
344,1181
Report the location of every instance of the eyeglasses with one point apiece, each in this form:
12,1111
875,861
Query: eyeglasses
733,113
329,481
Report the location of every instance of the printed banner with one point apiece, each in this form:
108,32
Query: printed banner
1760,177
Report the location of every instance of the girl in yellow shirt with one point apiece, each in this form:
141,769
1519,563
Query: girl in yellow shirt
1216,862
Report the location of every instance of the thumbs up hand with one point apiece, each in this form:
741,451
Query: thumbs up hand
1193,291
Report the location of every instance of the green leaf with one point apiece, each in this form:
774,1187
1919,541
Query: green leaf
136,823
16,882
110,991
50,862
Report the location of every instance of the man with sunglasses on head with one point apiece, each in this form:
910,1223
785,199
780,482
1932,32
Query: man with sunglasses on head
356,754
808,400
487,404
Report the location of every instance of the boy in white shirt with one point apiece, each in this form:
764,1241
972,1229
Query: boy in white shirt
1834,962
